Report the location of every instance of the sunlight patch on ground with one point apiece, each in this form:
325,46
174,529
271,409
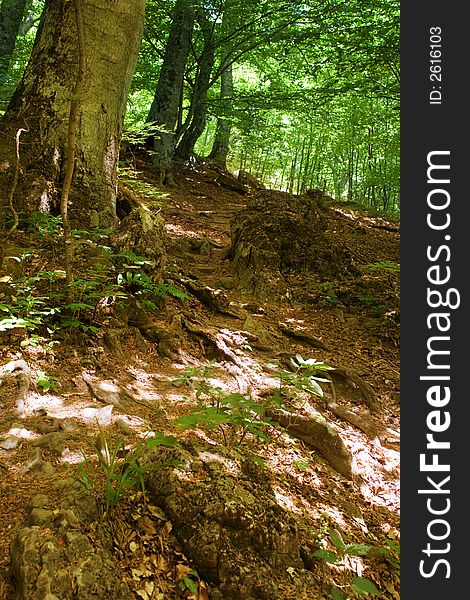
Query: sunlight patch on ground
144,385
35,403
231,466
177,230
334,514
72,457
286,502
22,433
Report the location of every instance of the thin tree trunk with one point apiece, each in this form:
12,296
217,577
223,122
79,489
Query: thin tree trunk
41,104
221,145
166,109
198,108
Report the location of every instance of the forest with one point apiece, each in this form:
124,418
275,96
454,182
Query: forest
199,299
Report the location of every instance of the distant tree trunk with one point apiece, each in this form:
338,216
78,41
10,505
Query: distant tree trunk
198,108
165,111
11,16
41,105
221,145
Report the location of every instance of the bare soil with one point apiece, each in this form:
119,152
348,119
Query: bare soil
355,321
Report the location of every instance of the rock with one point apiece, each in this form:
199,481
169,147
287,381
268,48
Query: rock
48,425
40,516
227,282
54,442
225,514
52,558
34,460
69,424
47,469
321,435
9,442
205,249
39,501
15,379
62,563
278,234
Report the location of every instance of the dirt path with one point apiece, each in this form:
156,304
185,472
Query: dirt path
359,335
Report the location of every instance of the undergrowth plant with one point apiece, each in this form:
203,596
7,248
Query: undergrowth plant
47,382
304,378
386,265
334,550
119,471
236,415
233,414
40,302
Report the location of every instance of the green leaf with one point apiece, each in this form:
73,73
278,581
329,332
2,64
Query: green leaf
356,549
314,388
190,584
337,594
364,586
327,555
336,539
161,440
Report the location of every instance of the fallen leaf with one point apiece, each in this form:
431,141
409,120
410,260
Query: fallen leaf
149,587
203,594
136,574
146,525
167,528
182,571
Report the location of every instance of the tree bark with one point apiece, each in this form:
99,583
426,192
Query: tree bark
221,145
11,16
41,104
166,105
198,108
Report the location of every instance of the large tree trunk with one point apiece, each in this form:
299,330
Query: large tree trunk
198,108
220,147
165,108
11,16
41,105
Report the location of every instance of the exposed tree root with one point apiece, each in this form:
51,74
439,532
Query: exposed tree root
353,379
302,336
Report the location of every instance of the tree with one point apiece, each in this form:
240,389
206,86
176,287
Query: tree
221,145
166,105
11,16
197,110
41,104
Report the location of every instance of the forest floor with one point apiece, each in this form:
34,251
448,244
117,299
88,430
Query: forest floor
356,321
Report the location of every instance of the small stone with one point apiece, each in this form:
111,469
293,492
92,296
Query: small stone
54,441
40,516
47,425
205,249
124,427
38,501
47,469
34,459
67,519
10,442
69,424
